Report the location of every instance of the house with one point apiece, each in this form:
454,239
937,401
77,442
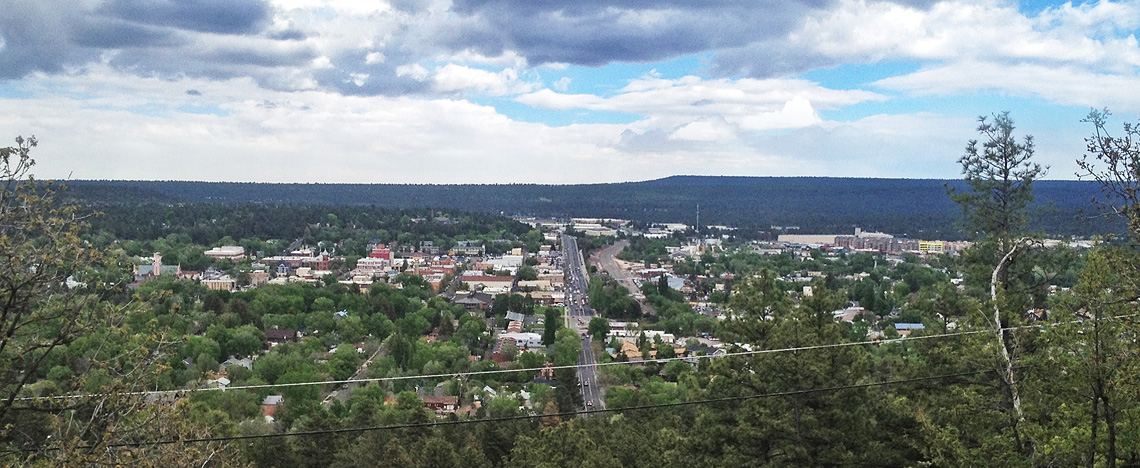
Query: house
276,336
475,302
905,329
220,382
270,403
243,362
441,404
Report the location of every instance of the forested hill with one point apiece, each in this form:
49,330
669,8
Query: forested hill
914,207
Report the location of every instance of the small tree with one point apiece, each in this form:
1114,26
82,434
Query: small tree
1001,176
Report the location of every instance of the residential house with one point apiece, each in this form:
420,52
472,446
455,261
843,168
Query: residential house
276,336
441,404
476,303
270,403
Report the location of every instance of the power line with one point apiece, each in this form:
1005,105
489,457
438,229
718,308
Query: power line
520,417
574,366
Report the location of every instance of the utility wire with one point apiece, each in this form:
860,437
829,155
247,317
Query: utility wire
520,417
575,366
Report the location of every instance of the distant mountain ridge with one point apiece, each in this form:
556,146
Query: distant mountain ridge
914,207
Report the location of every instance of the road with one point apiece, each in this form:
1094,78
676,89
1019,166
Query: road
343,391
578,315
605,259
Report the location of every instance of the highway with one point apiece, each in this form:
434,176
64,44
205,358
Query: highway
605,258
578,315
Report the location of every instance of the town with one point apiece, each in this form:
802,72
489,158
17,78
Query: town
469,312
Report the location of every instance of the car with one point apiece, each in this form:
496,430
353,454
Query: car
585,383
590,404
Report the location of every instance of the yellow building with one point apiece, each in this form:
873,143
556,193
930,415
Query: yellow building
931,247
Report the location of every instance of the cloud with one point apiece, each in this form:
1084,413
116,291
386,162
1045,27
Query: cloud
213,16
1098,36
1068,86
596,32
562,84
749,104
458,78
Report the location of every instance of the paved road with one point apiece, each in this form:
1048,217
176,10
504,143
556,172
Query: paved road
578,317
605,258
343,391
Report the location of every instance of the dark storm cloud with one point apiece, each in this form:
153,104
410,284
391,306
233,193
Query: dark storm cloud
200,38
596,32
114,34
264,64
36,38
233,38
215,16
288,35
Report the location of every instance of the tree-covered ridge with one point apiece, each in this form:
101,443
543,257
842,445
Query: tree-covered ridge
917,208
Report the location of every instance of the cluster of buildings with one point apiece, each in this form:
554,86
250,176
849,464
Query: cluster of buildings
876,242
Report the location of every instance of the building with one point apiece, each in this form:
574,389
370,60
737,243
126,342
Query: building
221,283
258,278
156,268
270,403
931,247
469,248
381,252
277,336
441,404
476,303
489,284
822,239
526,340
301,258
905,329
231,252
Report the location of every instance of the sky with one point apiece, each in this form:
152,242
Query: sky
552,91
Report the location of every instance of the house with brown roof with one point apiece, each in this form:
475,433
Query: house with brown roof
441,404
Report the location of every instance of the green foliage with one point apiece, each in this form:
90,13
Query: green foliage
551,324
612,300
1001,176
598,328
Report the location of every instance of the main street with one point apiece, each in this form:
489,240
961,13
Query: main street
578,315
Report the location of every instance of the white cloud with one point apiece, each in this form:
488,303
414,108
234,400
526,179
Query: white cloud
415,71
562,84
374,58
748,103
710,130
1060,85
453,78
954,30
796,113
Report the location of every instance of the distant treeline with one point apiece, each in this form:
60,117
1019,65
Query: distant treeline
916,208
